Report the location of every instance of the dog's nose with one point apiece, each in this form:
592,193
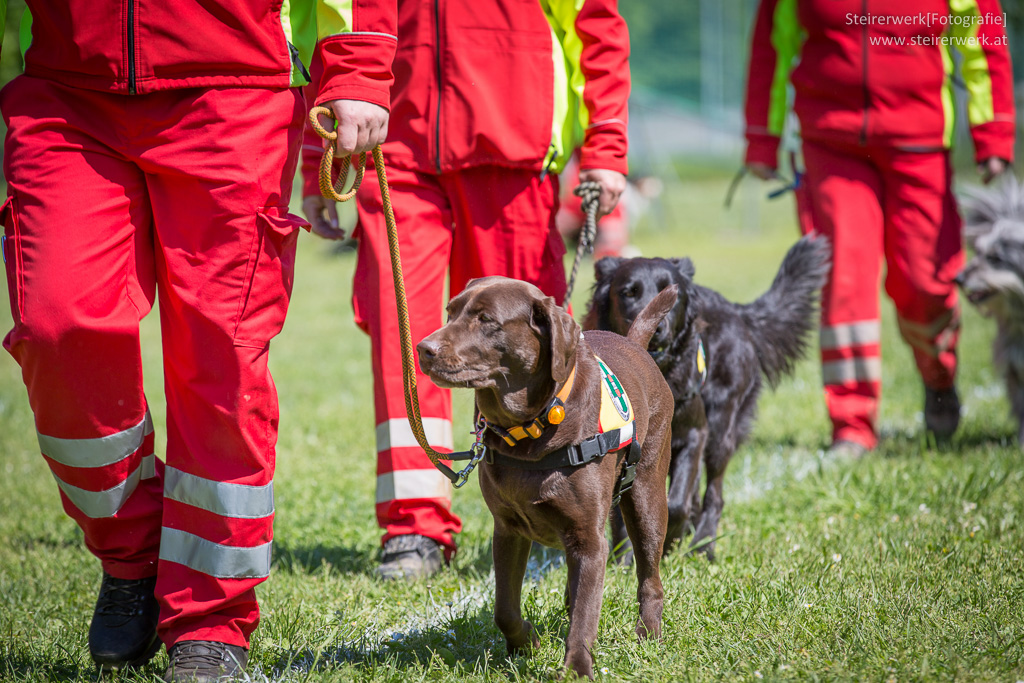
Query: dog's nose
960,278
427,349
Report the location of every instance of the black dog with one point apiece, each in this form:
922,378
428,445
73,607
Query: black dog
710,346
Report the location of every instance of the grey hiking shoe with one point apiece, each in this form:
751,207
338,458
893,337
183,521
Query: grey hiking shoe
122,634
847,449
410,557
941,412
205,661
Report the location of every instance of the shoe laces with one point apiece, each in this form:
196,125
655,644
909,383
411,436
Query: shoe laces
195,656
123,597
407,543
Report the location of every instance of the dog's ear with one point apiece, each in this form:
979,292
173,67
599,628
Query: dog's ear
597,313
684,266
604,268
564,335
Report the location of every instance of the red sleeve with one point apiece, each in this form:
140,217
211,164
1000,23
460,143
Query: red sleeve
312,144
762,145
604,62
357,64
996,138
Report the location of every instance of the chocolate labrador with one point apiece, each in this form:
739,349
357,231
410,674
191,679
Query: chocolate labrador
574,420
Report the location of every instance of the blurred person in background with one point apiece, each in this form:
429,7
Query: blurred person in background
873,91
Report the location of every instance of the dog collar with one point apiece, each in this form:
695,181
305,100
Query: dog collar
553,415
616,412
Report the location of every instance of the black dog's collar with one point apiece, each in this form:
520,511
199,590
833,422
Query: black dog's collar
695,386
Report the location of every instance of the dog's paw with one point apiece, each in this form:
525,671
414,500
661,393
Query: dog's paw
650,631
578,665
525,643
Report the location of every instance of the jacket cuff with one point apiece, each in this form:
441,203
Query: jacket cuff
357,67
762,148
605,147
993,139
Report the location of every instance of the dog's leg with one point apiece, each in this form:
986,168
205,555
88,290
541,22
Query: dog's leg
511,553
645,509
687,452
622,548
586,553
1015,391
707,527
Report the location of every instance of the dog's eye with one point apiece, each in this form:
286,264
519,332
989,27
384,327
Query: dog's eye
630,291
484,318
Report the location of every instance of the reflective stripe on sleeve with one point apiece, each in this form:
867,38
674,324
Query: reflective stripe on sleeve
214,559
98,452
222,498
851,370
412,484
397,433
99,504
846,335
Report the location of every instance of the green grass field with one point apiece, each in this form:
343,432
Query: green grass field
905,566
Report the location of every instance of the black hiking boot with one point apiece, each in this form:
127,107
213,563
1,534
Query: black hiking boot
123,630
941,412
410,557
205,661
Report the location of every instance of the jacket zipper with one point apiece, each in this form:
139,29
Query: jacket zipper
864,59
437,58
131,47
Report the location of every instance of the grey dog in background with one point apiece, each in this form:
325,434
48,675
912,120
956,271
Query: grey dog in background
993,279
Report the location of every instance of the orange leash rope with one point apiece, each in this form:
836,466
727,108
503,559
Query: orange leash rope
333,189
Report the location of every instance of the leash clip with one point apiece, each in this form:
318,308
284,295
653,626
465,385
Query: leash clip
479,451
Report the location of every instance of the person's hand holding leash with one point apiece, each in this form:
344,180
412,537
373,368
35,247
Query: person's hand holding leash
612,183
361,127
760,170
992,168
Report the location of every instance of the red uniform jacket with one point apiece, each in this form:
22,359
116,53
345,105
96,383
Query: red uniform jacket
517,84
140,46
874,71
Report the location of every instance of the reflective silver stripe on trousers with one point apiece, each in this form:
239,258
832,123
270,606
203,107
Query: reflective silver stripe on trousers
99,452
214,559
851,370
222,498
397,433
406,484
98,504
851,334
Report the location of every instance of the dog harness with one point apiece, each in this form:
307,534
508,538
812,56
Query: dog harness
615,433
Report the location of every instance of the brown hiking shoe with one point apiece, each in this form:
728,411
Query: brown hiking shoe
122,634
205,661
410,557
941,412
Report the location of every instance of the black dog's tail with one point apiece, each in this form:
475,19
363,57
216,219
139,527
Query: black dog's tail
782,317
645,325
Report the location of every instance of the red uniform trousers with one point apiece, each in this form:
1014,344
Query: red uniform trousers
114,199
471,223
873,202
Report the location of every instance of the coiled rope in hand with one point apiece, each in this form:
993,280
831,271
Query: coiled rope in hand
332,189
589,194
